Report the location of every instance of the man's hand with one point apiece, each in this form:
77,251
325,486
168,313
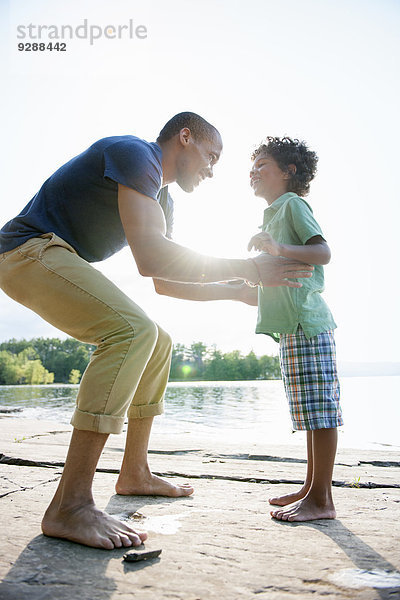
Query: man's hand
275,271
264,242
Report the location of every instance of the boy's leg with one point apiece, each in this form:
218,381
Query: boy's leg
72,513
290,498
318,503
312,388
135,477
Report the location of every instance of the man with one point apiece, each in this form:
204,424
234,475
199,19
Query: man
87,210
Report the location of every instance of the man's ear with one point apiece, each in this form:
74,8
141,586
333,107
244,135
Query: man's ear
185,136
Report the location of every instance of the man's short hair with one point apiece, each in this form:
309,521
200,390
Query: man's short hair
285,152
199,127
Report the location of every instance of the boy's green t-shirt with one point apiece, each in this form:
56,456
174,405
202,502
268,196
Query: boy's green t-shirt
290,220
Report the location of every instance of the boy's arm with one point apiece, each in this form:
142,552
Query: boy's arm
315,251
211,291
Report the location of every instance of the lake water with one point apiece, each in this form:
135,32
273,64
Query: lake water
244,410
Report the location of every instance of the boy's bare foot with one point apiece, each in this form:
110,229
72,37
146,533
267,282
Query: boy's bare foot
289,498
147,484
90,526
306,509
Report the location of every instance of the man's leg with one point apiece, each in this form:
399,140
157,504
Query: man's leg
72,513
135,477
318,503
47,276
290,498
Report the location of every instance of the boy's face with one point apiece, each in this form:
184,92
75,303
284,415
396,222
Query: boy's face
267,179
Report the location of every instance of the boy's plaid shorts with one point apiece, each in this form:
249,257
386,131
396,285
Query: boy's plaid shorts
310,377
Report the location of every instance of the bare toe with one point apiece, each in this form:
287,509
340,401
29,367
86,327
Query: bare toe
276,514
116,540
126,541
105,543
186,489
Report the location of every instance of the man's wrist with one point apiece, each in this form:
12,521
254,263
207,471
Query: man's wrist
252,273
233,289
280,249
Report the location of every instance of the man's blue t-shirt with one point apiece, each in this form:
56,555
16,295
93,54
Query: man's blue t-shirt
79,202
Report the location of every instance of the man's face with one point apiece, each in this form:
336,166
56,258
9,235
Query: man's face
266,178
196,161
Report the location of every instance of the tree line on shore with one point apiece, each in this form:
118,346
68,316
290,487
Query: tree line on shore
51,360
197,361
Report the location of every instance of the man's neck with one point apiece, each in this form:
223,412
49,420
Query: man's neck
168,163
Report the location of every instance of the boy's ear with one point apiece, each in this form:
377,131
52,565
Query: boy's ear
291,170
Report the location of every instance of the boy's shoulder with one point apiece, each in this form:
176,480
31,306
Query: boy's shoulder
299,216
297,204
289,211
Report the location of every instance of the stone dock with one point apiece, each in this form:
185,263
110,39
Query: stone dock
220,543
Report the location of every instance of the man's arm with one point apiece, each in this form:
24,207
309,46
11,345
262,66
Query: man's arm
210,291
160,258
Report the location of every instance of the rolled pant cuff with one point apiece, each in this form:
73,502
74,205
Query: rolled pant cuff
145,410
98,423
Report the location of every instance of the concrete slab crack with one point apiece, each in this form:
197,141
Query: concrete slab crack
29,487
9,460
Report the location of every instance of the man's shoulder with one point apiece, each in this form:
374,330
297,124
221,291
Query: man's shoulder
123,140
132,162
129,147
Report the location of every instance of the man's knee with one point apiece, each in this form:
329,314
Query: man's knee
164,339
148,330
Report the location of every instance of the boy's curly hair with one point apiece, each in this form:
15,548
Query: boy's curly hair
285,152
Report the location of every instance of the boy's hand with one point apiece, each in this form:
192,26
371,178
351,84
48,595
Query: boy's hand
264,242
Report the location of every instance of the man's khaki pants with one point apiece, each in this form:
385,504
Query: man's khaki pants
130,366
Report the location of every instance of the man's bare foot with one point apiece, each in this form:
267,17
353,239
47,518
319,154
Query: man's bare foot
90,526
306,509
147,484
289,498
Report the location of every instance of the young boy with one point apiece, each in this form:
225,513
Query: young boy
299,319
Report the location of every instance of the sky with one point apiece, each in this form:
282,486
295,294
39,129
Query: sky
323,71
